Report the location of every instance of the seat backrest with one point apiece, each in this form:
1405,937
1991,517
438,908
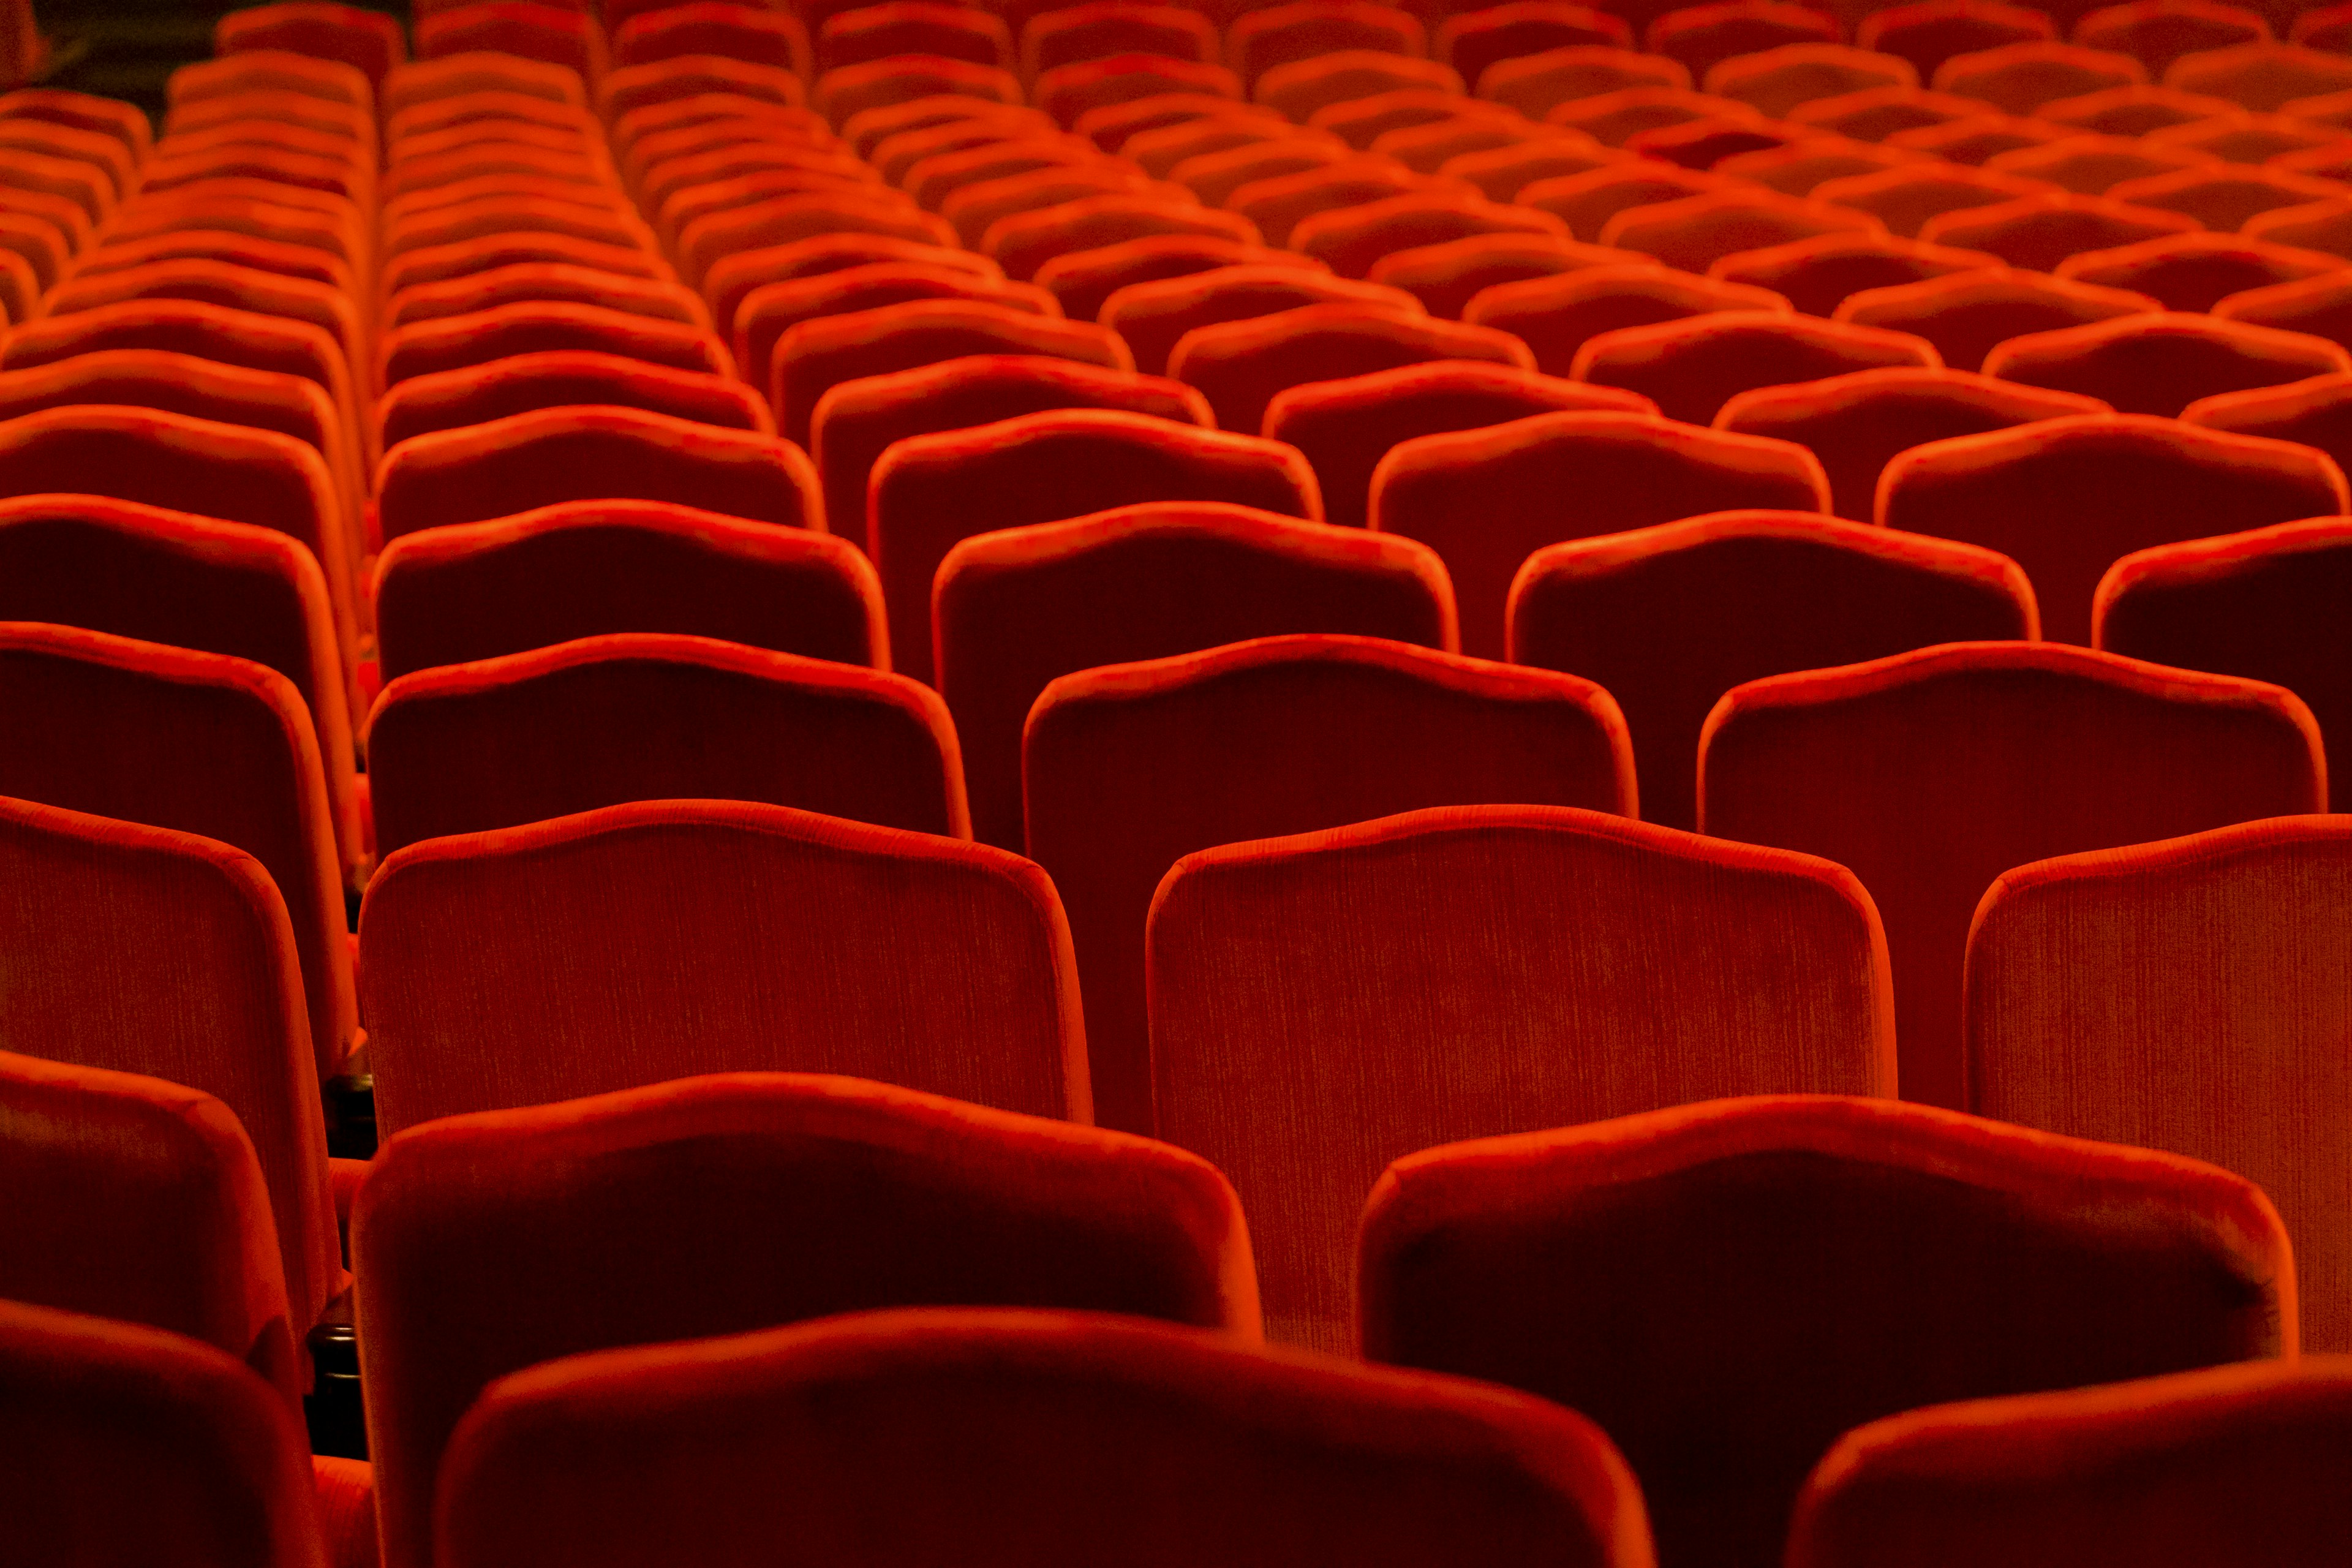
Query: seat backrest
146,951
140,1200
1043,468
2234,1464
1129,767
203,742
368,41
550,455
1045,1438
2069,1028
530,326
578,569
553,378
221,1463
1556,315
2258,604
2066,498
1966,315
1670,617
667,938
1239,366
1324,1004
1931,772
1691,368
1014,609
1486,499
857,422
2160,364
717,1205
1641,1271
652,716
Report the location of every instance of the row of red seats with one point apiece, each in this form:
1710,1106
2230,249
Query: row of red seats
1725,1393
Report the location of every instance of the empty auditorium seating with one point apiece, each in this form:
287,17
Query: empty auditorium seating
1006,1426
1296,89
2193,272
589,567
1154,317
1691,368
1084,280
2160,364
1299,987
208,997
770,310
738,276
1907,197
1929,32
1258,40
2198,1467
1470,41
1637,1271
1931,772
1044,467
1486,499
2018,79
1818,274
2065,497
1534,84
2039,232
739,1201
2260,76
1128,768
1670,617
628,716
859,420
518,383
1966,315
1556,315
1240,366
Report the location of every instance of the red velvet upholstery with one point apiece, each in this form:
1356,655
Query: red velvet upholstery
1930,32
368,41
1110,125
2019,79
1346,427
2160,364
1015,609
1280,35
1907,198
975,210
2261,76
1277,204
551,378
859,420
780,220
1241,366
197,742
1470,41
1048,1439
1816,159
1857,424
423,81
1324,1004
1534,84
2133,110
762,37
91,1408
849,90
1817,275
2234,1465
768,312
2039,232
2091,166
123,121
2320,306
1104,28
144,950
931,181
2066,497
1129,767
439,263
2225,196
1162,150
1555,317
1613,118
1669,618
734,278
816,356
912,28
1447,276
552,455
1932,773
1726,1287
668,81
1084,280
1042,467
189,581
1486,499
1153,316
529,28
665,938
1692,232
577,569
137,1199
492,1242
1586,202
1979,138
649,716
1350,239
1364,122
1774,80
219,283
1022,243
2315,226
2195,271
1296,90
1691,368
2184,996
1701,37
530,326
1966,315
1066,92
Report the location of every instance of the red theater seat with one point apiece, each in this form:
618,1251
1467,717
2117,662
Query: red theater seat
1472,40
1555,317
1486,499
1966,315
1536,84
2255,603
1297,984
1669,617
518,383
2067,498
1979,139
2223,197
87,112
1444,278
1776,80
2133,110
1015,609
770,310
1929,773
2261,76
2069,1027
2159,32
1586,202
1500,174
2090,165
1346,427
721,1203
1068,92
535,326
734,278
975,209
1878,114
441,263
1153,316
552,455
1165,149
1128,768
1042,467
2160,364
754,35
842,94
1280,35
2039,232
669,938
1691,368
780,220
1857,424
634,716
1906,198
423,82
1363,121
86,1401
526,28
894,139
1002,1427
868,33
932,180
2194,272
2200,1466
1102,29
1278,203
814,357
581,569
1024,243
1109,126
1703,36
1811,160
659,300
2315,226
1240,366
211,1001
633,88
1616,118
1296,90
2018,79
1693,232
1930,32
859,420
1819,274
1631,1271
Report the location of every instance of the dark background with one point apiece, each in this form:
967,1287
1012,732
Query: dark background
126,49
